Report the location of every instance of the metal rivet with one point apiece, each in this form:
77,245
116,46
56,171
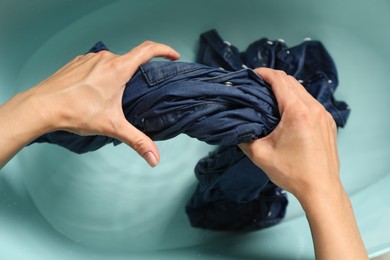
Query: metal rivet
228,83
227,43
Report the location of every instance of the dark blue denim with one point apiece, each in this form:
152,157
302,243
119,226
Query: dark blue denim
164,99
309,62
232,193
225,105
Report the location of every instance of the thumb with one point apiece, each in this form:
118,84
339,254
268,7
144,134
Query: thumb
145,52
140,142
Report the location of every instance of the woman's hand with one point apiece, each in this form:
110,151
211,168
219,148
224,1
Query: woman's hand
83,97
300,155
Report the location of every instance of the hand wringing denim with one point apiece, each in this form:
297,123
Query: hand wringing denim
222,102
164,99
258,204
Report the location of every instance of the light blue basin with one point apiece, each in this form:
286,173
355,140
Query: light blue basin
109,204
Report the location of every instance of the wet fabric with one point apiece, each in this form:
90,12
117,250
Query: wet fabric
164,99
309,62
222,102
234,194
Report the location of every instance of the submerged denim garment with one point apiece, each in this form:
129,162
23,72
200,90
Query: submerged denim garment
231,193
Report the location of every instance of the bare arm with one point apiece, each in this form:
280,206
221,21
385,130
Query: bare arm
300,155
83,97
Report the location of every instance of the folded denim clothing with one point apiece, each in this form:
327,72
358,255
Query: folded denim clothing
164,99
232,193
266,210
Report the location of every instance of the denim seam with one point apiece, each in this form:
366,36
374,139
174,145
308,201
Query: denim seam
224,104
231,75
168,76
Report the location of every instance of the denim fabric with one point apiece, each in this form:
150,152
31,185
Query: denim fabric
164,99
222,103
309,62
232,193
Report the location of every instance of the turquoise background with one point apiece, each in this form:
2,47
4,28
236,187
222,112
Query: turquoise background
109,204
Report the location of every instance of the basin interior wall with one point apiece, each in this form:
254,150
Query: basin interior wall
109,204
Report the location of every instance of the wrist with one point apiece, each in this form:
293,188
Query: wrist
322,195
21,123
47,109
333,225
35,111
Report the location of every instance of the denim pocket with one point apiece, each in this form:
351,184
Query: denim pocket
159,71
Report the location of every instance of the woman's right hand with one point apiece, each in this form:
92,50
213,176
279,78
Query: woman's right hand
300,155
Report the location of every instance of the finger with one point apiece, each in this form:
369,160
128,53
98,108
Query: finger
137,140
258,151
272,76
288,91
281,85
302,92
145,52
149,49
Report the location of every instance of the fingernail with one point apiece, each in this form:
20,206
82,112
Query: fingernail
151,159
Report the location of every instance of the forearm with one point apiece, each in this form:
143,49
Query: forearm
333,226
21,122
